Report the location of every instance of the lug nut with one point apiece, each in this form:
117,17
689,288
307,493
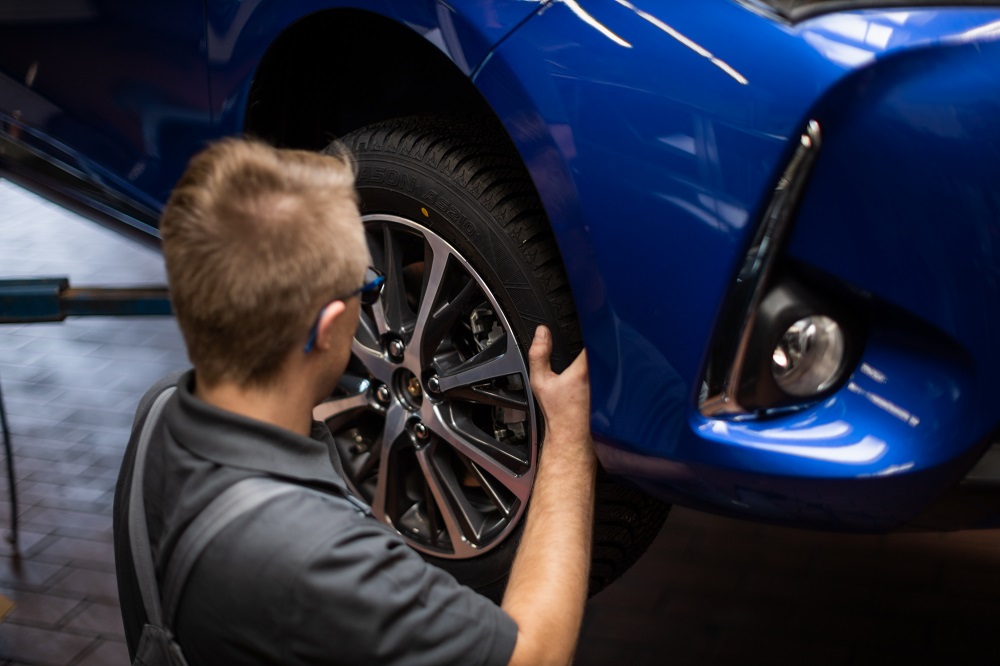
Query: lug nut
396,349
434,384
421,431
383,395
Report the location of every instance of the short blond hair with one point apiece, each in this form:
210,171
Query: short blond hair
256,241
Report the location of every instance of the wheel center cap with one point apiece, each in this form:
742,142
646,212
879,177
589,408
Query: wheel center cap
408,390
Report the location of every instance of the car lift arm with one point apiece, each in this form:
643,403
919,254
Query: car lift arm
34,300
51,299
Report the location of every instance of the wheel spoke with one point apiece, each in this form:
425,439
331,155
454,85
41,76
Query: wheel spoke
378,314
395,423
489,395
435,263
339,406
434,526
497,360
444,318
374,362
398,315
490,487
356,390
481,449
459,517
370,327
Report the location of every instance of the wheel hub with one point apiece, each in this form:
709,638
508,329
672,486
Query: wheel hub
407,389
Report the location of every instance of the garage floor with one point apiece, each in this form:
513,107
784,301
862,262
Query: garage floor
710,590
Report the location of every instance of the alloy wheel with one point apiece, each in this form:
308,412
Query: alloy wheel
434,418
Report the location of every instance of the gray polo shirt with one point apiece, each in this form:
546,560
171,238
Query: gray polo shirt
307,579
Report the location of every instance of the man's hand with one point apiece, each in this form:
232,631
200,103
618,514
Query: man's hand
564,398
548,582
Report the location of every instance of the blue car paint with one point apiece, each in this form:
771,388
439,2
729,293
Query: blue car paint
655,132
925,233
115,89
688,154
240,34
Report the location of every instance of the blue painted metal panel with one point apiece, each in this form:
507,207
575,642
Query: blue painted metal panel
239,35
655,138
905,204
117,88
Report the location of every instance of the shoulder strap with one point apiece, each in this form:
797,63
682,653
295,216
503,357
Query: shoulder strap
239,499
138,533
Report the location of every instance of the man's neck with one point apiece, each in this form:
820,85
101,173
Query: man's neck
288,407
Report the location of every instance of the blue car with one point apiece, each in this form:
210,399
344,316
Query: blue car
773,224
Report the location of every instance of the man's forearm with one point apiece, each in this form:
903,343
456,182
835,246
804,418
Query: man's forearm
548,582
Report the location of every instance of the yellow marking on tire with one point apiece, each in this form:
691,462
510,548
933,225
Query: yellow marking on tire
424,211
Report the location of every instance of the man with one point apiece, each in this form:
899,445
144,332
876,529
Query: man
257,241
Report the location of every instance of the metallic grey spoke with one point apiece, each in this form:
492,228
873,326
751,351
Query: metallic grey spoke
441,321
398,316
489,486
380,368
395,424
490,396
339,406
458,524
484,366
353,384
433,280
378,314
509,456
368,331
520,485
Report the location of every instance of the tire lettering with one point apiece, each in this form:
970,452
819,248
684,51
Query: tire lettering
407,182
466,226
378,175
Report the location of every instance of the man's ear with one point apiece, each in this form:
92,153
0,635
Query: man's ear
326,322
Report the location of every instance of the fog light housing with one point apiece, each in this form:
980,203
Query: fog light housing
801,348
809,357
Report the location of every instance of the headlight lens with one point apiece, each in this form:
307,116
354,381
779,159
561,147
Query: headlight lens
809,356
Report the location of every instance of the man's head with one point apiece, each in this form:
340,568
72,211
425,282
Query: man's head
257,240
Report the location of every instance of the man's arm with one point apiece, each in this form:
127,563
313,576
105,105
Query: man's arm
548,583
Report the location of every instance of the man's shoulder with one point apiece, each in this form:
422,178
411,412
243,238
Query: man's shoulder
161,385
286,543
307,518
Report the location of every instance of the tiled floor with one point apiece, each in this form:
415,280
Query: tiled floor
70,390
710,591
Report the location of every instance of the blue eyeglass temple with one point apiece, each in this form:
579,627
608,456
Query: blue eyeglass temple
369,294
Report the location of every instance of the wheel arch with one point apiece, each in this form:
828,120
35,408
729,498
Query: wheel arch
409,75
321,79
289,106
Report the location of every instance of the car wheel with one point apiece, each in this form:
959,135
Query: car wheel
434,417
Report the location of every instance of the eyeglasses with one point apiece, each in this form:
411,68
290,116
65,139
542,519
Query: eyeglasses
368,293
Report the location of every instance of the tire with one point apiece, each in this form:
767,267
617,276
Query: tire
434,417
